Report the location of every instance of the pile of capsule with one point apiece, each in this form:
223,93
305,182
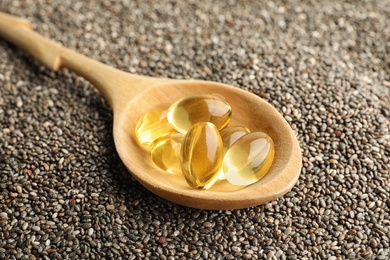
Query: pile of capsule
192,137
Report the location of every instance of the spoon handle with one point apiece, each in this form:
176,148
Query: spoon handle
18,31
116,86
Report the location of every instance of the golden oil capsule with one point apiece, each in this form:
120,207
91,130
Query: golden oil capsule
201,155
231,134
186,112
165,152
248,159
153,124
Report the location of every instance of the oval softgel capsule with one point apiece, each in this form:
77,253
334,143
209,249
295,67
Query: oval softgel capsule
248,159
186,112
201,155
153,124
165,152
231,134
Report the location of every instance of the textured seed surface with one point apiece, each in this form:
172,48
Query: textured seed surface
201,155
186,112
165,152
153,124
248,159
323,64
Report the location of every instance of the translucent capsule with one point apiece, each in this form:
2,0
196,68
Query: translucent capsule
231,134
184,113
248,159
153,124
165,152
201,155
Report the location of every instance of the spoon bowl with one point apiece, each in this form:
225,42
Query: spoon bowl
248,110
130,96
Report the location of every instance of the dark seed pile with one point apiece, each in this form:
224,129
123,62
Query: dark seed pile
325,65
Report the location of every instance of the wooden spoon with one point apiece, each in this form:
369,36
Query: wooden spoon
130,96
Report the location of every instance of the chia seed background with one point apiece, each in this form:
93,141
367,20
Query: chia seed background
325,65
